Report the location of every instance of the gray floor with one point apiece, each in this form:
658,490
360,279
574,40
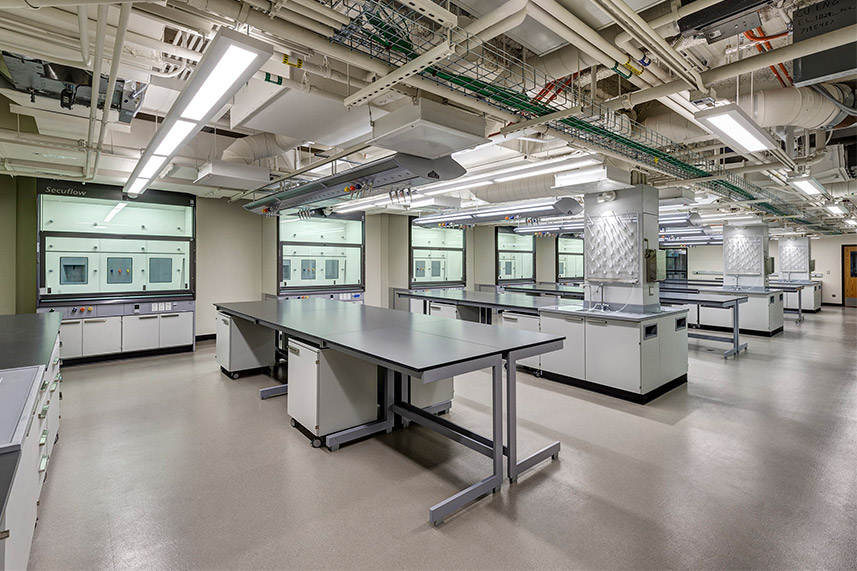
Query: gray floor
165,463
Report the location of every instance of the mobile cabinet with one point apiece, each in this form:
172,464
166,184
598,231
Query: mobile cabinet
443,310
569,361
242,345
330,391
526,323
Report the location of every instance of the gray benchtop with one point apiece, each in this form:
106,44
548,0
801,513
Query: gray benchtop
27,339
510,301
558,289
412,341
615,315
702,299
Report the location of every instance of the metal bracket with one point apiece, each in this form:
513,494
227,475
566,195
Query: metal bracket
731,27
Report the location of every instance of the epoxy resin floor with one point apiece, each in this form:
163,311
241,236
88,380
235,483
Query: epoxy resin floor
164,463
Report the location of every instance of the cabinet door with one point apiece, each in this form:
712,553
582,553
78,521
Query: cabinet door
102,336
443,310
176,329
613,354
303,385
525,322
569,361
222,352
19,517
140,332
71,339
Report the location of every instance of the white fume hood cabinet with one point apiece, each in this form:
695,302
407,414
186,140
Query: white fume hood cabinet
400,169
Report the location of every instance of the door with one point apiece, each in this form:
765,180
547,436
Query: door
71,339
102,336
849,275
569,361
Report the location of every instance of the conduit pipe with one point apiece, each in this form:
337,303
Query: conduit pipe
122,27
35,4
299,15
807,47
100,32
83,26
324,11
623,39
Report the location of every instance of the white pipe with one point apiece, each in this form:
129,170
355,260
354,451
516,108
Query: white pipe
324,11
122,27
296,14
34,4
83,25
623,39
522,189
496,16
676,128
100,29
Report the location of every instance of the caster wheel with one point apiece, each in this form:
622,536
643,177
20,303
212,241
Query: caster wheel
234,375
334,448
555,456
293,422
316,442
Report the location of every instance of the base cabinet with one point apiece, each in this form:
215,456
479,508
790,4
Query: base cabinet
140,332
102,336
175,329
330,391
569,361
71,339
243,345
526,323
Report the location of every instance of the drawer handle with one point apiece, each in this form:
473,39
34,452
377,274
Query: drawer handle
170,315
95,321
54,386
294,351
43,464
56,360
597,321
574,319
44,386
225,321
506,318
44,411
43,439
142,317
75,322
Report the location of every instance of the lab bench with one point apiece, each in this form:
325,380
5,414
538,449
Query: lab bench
29,426
410,346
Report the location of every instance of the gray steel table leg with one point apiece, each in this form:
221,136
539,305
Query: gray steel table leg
737,346
447,507
515,468
799,307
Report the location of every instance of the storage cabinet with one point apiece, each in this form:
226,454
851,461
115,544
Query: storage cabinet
175,329
429,394
526,323
330,391
613,354
569,361
140,332
242,345
102,336
443,310
71,339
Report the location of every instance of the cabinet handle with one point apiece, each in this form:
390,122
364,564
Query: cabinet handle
56,360
75,322
43,464
574,319
44,386
597,321
54,386
506,318
95,321
294,351
43,439
44,411
225,321
147,317
170,315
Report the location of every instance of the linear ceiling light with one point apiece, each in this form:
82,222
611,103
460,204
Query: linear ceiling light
568,227
565,206
736,128
580,176
229,62
836,208
851,222
549,170
806,184
456,188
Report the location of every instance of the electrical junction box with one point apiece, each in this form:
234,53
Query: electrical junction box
428,129
818,19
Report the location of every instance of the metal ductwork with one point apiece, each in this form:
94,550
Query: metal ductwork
253,148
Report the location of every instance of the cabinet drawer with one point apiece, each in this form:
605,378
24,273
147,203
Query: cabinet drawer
176,329
102,336
140,332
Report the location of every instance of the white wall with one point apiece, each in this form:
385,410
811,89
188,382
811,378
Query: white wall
377,254
704,258
228,258
484,267
545,259
827,253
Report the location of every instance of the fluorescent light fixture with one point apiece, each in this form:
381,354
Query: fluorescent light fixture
736,129
570,227
224,75
138,186
512,211
230,60
806,184
116,210
153,166
836,208
443,218
549,170
851,222
177,134
456,188
680,219
580,176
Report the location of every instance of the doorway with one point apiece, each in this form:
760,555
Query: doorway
849,275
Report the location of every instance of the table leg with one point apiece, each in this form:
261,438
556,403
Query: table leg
799,307
447,507
515,468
